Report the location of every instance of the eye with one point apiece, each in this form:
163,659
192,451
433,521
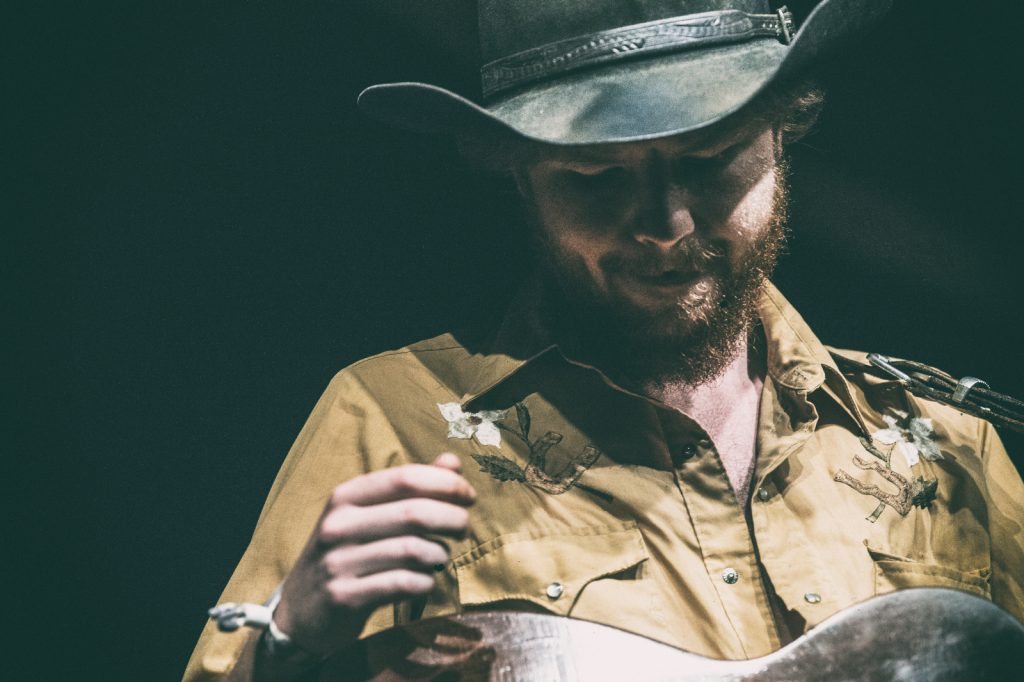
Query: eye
594,175
708,162
691,165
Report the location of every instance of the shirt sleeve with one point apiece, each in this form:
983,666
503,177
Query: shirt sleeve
1006,523
346,435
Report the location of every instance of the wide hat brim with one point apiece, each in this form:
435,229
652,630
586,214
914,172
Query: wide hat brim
635,99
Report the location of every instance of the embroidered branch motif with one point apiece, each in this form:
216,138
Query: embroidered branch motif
535,473
917,493
501,468
870,447
900,500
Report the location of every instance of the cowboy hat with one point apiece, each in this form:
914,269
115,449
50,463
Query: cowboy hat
572,72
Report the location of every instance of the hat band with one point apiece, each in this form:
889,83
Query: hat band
626,42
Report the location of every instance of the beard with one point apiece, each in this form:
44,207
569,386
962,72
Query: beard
692,338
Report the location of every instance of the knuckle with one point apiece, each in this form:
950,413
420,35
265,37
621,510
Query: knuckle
404,479
330,564
414,515
340,593
409,547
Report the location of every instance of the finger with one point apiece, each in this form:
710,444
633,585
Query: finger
449,461
416,516
379,588
410,480
407,551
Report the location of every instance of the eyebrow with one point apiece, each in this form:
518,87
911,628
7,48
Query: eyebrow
609,156
717,142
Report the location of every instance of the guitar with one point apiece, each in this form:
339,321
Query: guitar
932,634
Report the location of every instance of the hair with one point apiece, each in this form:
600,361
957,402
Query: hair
793,106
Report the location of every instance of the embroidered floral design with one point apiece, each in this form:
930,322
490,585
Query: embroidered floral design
482,425
912,436
534,474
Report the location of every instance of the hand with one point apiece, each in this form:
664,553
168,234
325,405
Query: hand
370,547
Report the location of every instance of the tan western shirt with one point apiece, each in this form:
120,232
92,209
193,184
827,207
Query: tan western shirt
599,504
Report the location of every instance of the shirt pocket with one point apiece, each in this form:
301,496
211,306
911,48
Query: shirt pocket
898,573
556,570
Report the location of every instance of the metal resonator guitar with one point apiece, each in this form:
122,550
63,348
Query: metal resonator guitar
922,634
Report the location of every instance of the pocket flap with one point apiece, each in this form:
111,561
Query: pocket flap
548,568
898,573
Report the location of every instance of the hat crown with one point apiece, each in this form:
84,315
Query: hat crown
508,27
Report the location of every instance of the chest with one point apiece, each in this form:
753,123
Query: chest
732,424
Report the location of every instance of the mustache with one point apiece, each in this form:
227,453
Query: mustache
692,255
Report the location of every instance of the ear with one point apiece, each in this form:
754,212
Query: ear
521,176
777,139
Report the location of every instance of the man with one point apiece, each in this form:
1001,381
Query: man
652,438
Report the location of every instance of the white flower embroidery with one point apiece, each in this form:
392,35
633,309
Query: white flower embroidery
469,424
912,436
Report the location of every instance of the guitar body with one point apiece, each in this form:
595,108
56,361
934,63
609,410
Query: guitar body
921,634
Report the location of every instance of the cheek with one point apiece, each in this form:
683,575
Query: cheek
575,248
752,214
579,224
580,209
570,230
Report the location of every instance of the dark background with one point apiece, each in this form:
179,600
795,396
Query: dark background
206,231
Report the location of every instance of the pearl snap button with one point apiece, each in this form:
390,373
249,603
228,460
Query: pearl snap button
812,598
555,590
730,576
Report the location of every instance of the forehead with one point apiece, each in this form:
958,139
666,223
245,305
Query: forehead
702,142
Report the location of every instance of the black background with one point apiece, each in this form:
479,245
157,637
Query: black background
205,230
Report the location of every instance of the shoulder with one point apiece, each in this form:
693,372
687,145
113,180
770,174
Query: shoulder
444,365
882,398
967,535
449,347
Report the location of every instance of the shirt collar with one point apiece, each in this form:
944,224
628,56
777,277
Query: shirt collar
796,360
521,338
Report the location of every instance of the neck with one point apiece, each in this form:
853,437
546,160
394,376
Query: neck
727,408
741,375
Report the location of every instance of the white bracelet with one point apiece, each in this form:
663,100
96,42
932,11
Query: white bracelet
279,645
231,616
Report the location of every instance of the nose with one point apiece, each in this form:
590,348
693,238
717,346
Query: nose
664,213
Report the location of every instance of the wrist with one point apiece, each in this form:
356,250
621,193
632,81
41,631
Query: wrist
278,656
